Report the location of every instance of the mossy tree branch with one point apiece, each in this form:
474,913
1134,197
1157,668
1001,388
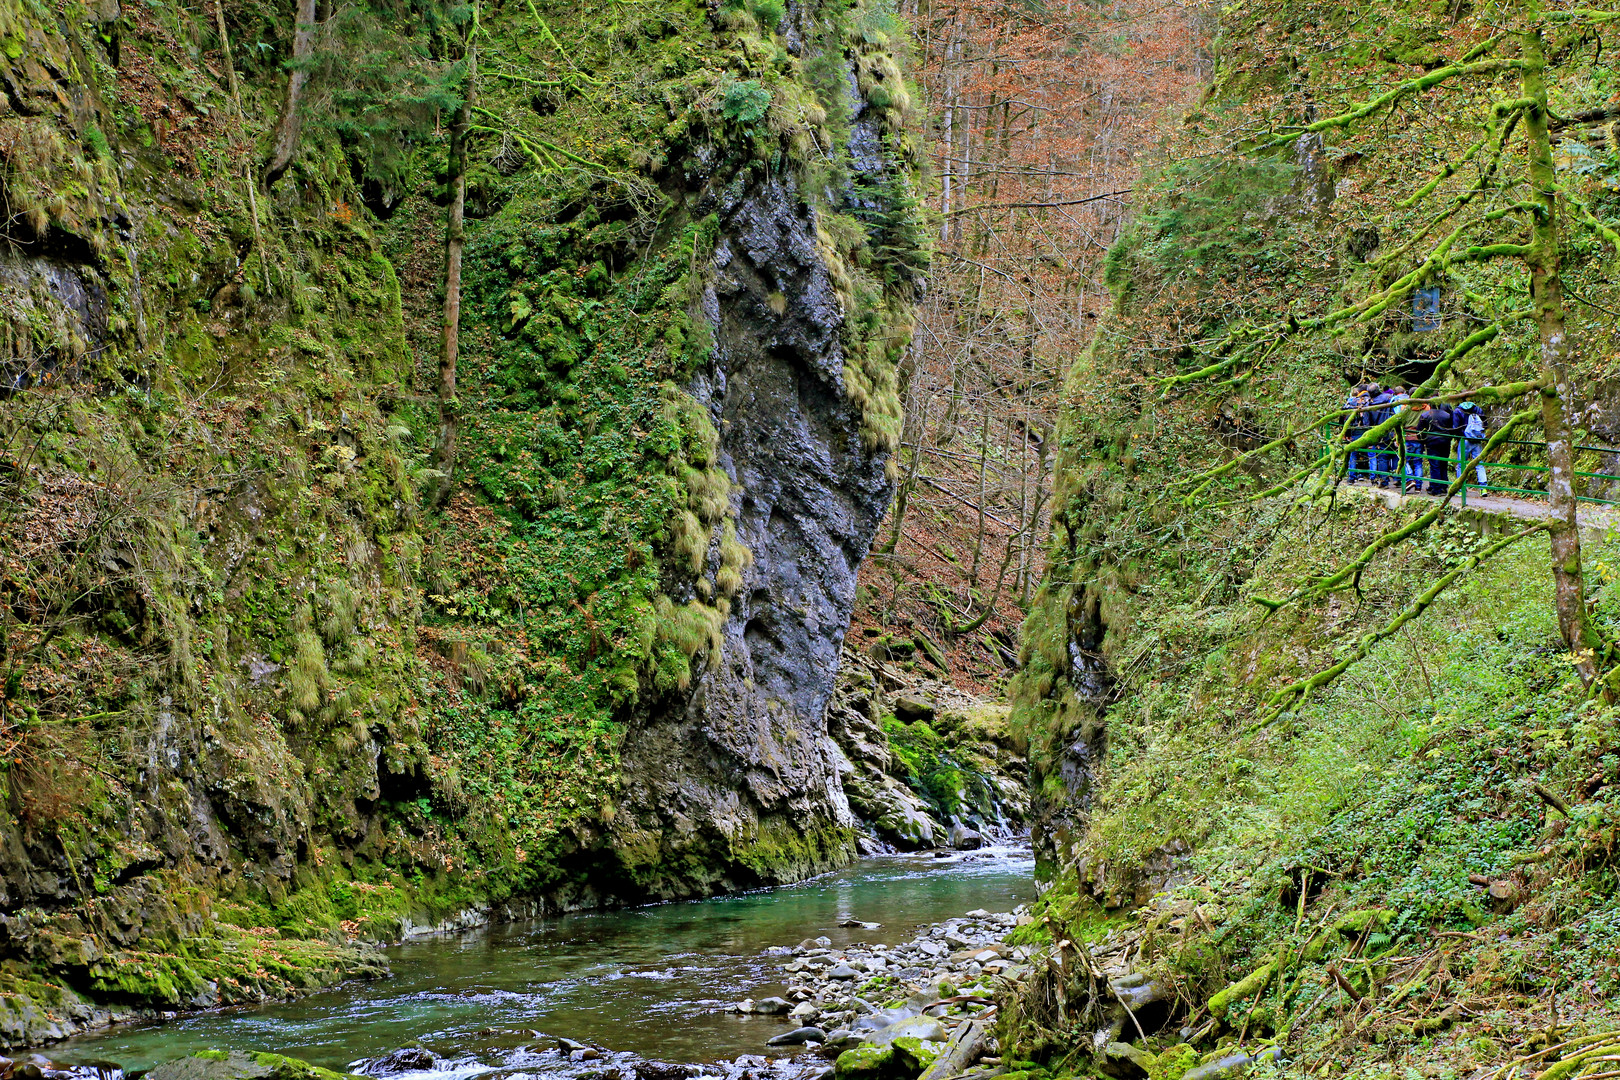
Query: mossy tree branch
1388,99
1296,693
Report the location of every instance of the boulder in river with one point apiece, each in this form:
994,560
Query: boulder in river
904,1058
219,1065
1125,1062
406,1059
798,1037
663,1070
925,1028
883,1018
771,1006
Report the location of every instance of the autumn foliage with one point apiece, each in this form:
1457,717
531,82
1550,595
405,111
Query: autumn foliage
1038,117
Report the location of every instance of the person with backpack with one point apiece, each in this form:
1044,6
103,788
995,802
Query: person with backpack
1357,401
1469,419
1433,426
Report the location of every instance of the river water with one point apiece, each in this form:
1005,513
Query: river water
650,981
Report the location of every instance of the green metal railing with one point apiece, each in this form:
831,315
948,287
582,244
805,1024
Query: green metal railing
1459,464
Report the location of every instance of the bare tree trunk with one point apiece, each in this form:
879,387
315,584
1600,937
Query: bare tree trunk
1024,529
902,495
454,240
947,125
1034,521
285,143
984,452
1547,294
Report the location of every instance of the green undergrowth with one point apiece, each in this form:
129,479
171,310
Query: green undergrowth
1408,788
1178,787
1142,658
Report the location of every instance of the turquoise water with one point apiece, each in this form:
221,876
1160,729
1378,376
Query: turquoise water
649,981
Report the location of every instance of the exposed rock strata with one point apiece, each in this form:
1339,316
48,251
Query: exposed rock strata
749,760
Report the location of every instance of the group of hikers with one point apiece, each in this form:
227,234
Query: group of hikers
1425,432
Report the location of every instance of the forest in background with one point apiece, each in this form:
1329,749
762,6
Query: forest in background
1040,120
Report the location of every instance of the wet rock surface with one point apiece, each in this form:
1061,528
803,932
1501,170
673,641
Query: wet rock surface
893,1011
749,762
925,766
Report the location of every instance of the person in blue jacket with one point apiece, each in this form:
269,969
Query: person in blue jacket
1358,427
1383,451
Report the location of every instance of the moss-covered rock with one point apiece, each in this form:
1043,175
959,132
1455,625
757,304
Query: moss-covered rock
238,1065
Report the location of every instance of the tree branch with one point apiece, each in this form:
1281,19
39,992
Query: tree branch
1424,82
1035,205
1296,693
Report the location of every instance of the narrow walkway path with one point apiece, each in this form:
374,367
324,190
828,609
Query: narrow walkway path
1590,516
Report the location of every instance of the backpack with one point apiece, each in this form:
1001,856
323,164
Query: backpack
1475,428
1378,416
1358,422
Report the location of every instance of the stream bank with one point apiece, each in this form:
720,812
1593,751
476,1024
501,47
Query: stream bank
656,983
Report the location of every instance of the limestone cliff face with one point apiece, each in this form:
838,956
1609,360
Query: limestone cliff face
748,760
746,775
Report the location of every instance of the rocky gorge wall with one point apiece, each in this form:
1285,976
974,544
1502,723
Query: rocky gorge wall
263,699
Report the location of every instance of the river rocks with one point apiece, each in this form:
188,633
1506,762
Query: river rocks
798,1037
886,1001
